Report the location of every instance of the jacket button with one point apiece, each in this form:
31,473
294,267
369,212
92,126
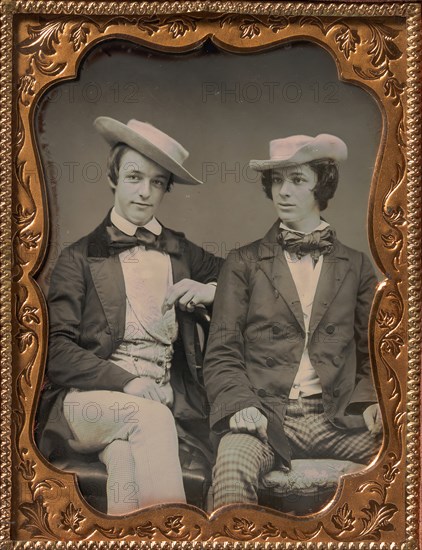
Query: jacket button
262,393
276,329
336,393
276,293
160,363
330,329
270,362
337,360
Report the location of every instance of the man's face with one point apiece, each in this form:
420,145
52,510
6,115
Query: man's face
292,192
140,188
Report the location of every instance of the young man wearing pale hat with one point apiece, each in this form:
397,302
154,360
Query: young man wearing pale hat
287,368
123,354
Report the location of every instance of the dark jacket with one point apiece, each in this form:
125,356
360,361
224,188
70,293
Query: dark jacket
257,337
87,312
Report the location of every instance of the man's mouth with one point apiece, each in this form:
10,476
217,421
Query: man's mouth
141,203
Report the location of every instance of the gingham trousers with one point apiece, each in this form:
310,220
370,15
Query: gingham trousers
243,459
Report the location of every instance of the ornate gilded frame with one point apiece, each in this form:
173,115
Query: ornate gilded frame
377,46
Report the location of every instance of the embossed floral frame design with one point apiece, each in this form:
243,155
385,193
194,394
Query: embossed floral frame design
376,46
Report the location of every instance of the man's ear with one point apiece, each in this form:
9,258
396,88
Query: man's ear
111,184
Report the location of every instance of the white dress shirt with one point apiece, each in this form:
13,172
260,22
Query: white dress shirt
147,348
305,275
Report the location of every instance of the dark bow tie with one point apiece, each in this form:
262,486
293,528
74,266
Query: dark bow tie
316,243
119,241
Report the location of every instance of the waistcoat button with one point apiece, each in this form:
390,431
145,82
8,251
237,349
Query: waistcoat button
337,360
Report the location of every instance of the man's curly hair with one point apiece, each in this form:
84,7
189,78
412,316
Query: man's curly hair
327,180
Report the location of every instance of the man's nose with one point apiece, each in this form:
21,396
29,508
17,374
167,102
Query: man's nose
144,188
285,189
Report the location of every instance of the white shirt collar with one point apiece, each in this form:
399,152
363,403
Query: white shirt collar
130,228
320,227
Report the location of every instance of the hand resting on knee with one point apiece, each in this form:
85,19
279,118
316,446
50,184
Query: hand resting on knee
147,388
252,421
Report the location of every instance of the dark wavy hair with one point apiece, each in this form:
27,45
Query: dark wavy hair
327,181
113,164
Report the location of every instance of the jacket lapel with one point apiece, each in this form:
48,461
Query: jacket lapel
334,269
107,276
274,265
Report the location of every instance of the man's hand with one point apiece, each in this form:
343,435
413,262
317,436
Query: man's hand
145,387
252,421
372,417
188,294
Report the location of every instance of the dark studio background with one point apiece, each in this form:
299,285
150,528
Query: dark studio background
224,108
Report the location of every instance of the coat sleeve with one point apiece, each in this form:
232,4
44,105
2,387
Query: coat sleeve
226,381
364,393
69,364
204,266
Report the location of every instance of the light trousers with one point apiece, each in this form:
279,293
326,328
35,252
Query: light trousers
137,441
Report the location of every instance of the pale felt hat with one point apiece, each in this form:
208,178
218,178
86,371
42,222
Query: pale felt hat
301,149
149,141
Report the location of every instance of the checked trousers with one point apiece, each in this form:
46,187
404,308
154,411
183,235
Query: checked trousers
243,459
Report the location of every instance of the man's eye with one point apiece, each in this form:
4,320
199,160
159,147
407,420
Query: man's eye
157,183
277,180
131,177
297,180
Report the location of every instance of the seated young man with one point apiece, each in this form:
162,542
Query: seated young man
122,359
287,368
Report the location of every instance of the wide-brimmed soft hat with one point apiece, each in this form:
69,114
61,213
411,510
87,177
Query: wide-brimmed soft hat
149,141
301,149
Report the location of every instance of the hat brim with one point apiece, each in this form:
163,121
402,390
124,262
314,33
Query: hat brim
323,147
114,132
262,165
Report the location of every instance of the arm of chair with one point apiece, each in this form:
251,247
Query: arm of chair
203,321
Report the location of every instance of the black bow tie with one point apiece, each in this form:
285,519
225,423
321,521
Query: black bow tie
317,243
119,241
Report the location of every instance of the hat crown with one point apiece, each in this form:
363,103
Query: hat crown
159,139
301,150
283,148
150,142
